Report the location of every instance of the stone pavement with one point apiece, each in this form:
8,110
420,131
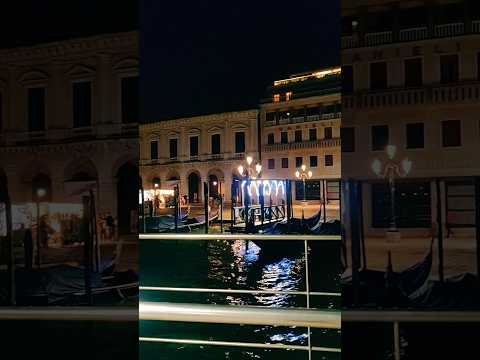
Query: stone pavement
459,254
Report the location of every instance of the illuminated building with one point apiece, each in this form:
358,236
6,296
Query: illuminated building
411,73
300,121
68,114
195,150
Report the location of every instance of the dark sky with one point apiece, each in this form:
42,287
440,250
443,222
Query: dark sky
27,22
207,56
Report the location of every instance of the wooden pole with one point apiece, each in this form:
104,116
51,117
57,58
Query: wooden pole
175,199
355,243
362,229
94,231
206,195
221,206
439,230
87,248
10,248
324,201
477,222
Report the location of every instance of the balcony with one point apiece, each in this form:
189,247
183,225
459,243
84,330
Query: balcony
315,144
433,95
302,119
378,38
411,34
414,34
214,157
447,30
476,26
349,41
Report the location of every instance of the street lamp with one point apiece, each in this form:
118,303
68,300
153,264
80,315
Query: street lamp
41,192
248,173
389,171
303,175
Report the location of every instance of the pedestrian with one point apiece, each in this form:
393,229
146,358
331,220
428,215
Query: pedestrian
28,249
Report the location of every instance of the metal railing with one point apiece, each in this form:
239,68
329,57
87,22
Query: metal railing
242,315
70,313
417,317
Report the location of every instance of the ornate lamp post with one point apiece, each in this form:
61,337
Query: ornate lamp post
41,192
303,175
249,172
390,170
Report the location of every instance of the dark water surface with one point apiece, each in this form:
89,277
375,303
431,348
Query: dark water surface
237,265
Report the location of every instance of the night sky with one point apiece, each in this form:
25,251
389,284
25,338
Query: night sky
28,22
208,56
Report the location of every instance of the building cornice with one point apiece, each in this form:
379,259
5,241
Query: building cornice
233,115
71,47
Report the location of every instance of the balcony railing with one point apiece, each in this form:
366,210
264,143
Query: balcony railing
322,143
476,26
349,41
302,119
410,34
245,315
447,30
378,38
440,94
413,34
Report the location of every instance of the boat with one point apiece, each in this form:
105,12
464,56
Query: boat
65,285
188,224
389,288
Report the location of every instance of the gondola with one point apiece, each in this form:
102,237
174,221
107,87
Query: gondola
188,224
65,285
389,288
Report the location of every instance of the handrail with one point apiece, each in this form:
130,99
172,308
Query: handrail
245,315
237,291
411,316
202,237
70,313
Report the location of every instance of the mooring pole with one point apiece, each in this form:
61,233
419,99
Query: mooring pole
87,249
175,202
439,230
221,206
324,201
355,243
362,230
5,198
477,222
205,196
144,222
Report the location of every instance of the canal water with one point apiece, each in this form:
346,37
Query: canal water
238,265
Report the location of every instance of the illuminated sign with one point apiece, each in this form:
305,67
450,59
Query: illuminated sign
270,187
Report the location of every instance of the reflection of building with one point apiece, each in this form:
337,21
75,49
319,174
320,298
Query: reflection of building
210,148
194,150
68,114
300,122
411,79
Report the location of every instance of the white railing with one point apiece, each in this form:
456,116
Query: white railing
70,313
378,38
476,26
413,34
447,30
398,317
242,315
348,42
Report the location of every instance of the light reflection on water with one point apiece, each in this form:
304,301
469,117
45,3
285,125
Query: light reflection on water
236,265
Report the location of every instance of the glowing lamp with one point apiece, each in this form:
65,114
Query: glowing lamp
406,166
41,192
376,166
249,160
310,174
214,183
304,167
297,174
240,169
258,168
391,151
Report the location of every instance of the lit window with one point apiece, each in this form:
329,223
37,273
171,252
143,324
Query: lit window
288,95
276,98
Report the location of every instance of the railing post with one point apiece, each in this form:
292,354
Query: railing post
87,249
205,196
439,230
396,340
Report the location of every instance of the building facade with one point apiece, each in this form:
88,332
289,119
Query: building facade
68,114
300,124
196,150
281,135
411,98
